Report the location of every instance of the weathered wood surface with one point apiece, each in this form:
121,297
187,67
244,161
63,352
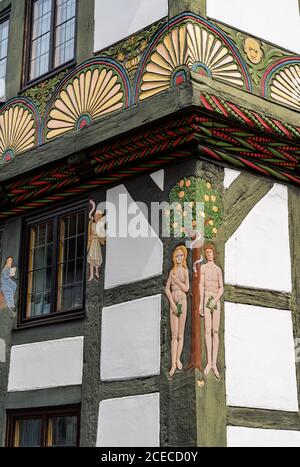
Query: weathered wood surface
294,223
265,419
258,297
49,397
180,6
106,128
130,387
85,34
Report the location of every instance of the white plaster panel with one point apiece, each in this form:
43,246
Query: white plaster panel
2,351
117,19
230,176
46,364
239,437
129,258
129,421
130,346
275,21
159,178
260,358
258,253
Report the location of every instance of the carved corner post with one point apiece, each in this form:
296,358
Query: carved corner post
194,407
211,409
178,398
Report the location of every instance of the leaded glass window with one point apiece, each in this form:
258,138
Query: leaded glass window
52,35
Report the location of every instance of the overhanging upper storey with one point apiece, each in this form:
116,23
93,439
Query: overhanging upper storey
182,85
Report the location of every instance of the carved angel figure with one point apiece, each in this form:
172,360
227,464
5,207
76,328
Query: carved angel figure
96,239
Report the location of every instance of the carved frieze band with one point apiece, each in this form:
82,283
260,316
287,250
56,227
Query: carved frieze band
143,66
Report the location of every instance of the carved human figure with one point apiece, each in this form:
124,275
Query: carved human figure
176,290
8,286
211,292
96,238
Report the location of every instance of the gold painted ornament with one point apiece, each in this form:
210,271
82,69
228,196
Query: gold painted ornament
92,94
17,132
208,56
188,47
285,86
164,62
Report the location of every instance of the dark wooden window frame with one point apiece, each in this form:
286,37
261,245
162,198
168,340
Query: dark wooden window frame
5,16
44,414
28,42
54,316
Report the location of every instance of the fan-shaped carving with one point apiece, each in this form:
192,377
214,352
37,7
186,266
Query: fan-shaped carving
188,46
168,56
17,132
285,86
209,56
92,94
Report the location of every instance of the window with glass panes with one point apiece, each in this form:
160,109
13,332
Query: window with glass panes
53,33
4,30
44,428
56,258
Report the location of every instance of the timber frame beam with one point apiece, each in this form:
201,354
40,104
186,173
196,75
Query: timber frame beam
185,121
180,6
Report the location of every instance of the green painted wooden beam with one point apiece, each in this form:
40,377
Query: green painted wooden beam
258,297
264,419
4,4
180,6
49,397
294,228
85,25
130,387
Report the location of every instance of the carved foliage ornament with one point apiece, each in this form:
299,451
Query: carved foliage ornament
197,206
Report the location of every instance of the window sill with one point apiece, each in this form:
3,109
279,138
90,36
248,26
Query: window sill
47,321
51,74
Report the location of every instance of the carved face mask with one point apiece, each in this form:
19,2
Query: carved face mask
253,50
